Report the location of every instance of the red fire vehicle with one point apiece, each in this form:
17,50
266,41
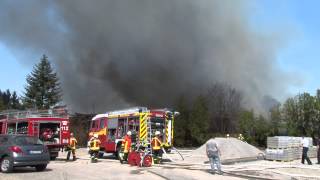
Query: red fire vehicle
141,121
51,126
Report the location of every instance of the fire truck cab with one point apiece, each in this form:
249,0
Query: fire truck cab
112,126
50,126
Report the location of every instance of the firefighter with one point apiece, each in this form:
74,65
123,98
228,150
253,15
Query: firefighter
126,146
71,148
156,146
94,146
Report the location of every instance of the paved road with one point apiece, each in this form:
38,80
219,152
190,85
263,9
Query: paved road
106,168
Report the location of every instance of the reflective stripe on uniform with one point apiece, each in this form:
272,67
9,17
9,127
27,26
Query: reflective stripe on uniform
156,143
73,143
126,143
95,145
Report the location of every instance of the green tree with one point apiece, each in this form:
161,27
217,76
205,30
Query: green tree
43,87
275,120
290,116
14,101
262,131
301,115
316,120
181,124
199,121
6,95
2,107
247,125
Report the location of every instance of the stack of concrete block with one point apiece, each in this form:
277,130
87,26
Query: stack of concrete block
282,154
284,141
286,148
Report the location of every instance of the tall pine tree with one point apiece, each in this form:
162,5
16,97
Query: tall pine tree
2,107
14,101
43,88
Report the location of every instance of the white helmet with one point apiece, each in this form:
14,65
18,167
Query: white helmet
129,133
95,135
157,133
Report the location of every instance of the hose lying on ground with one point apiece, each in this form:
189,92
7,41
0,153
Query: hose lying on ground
178,152
164,152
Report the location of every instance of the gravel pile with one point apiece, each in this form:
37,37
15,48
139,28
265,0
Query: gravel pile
231,149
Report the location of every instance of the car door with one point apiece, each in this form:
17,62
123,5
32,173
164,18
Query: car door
3,145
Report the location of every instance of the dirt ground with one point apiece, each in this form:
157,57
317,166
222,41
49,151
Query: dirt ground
109,168
106,168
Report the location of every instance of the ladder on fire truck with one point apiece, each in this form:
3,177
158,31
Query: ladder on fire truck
16,115
145,135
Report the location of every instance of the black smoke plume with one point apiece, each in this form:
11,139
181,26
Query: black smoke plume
116,53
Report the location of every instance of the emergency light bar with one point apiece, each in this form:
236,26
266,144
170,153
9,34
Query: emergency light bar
127,111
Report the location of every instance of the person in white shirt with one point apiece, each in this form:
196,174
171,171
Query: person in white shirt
305,146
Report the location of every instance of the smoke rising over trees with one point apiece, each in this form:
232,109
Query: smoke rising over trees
112,54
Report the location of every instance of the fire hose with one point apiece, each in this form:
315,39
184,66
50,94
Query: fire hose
165,153
178,152
236,170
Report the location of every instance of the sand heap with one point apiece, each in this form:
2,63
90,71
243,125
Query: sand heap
232,150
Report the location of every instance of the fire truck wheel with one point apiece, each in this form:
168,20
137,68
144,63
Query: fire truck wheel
132,158
138,159
147,161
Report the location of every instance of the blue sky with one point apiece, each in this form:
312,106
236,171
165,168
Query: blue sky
11,67
296,21
299,25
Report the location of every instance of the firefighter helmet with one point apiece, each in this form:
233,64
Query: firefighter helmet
157,133
129,133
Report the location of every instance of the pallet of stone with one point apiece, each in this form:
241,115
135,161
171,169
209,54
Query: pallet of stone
285,141
285,154
281,142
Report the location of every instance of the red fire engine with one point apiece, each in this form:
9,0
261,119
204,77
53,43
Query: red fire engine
51,126
141,121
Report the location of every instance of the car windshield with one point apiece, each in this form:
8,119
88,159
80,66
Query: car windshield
25,140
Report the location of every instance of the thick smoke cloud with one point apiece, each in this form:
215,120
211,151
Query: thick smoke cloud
117,53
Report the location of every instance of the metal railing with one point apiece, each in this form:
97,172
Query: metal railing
58,113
